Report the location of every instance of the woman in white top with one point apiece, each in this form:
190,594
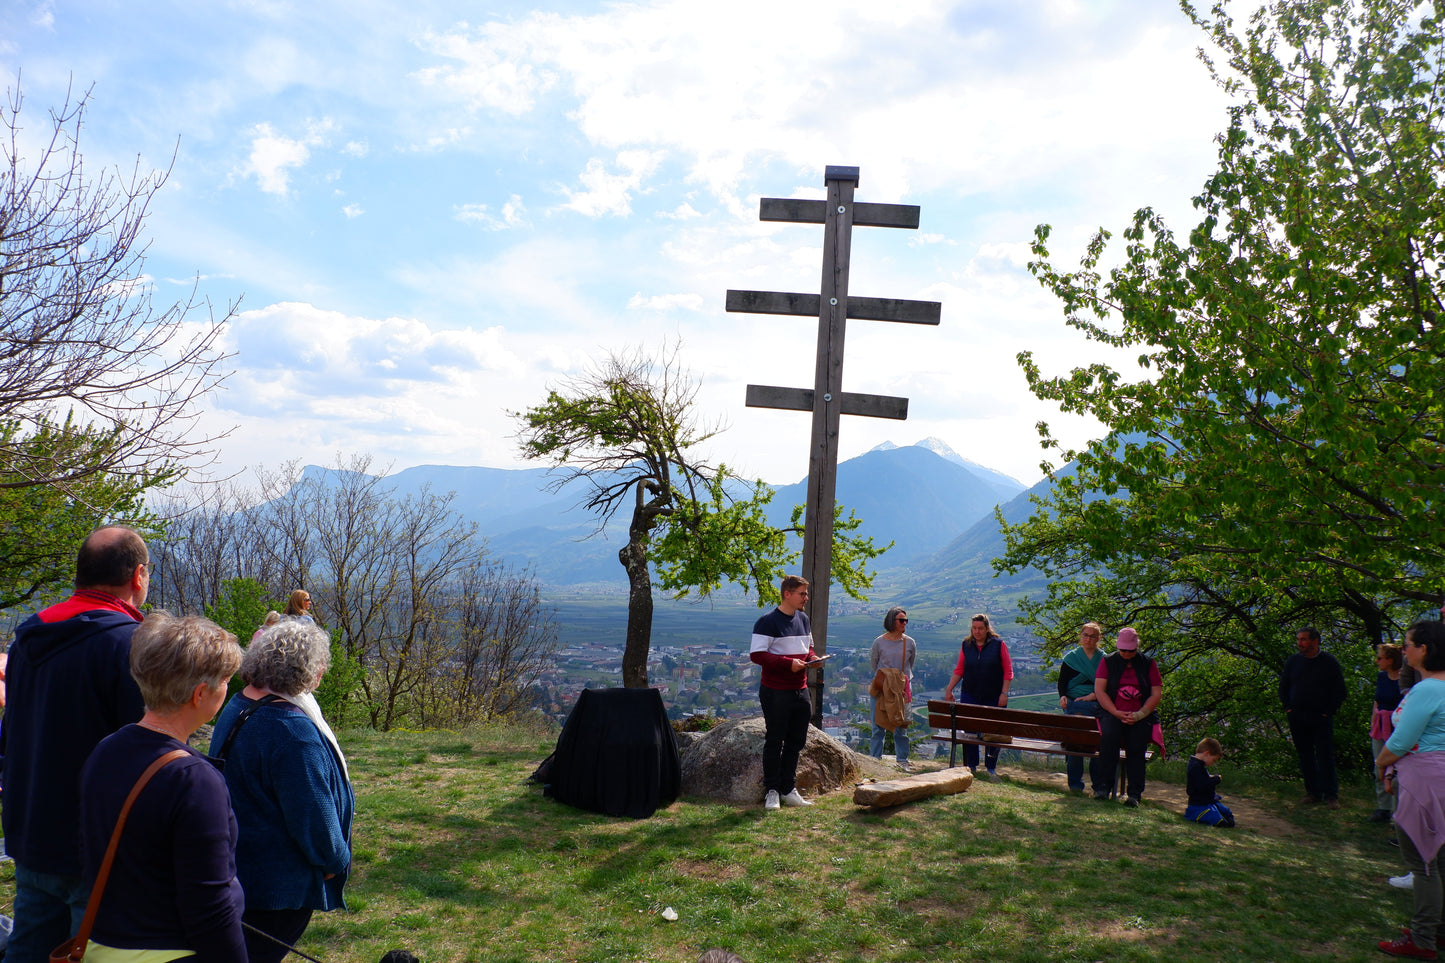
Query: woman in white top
893,650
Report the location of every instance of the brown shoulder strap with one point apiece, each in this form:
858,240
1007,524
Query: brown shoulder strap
93,906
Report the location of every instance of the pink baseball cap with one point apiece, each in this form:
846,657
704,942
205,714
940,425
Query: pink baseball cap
1128,640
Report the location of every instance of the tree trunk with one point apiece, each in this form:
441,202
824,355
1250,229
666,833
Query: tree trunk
633,557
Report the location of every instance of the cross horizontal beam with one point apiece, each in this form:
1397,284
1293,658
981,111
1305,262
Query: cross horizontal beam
799,211
801,399
860,309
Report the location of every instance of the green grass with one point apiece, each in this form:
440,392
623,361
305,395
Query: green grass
458,859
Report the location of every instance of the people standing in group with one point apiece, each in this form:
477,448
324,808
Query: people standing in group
1205,805
172,890
1388,659
984,674
298,606
1312,688
891,661
1128,687
1413,763
1076,698
782,647
68,687
289,786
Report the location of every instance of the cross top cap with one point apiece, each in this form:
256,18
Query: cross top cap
834,173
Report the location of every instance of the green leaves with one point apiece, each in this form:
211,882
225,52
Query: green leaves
42,525
1281,457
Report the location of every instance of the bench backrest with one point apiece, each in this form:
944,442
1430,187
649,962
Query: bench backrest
1026,724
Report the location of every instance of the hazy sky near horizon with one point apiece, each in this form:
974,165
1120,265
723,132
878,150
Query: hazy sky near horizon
431,212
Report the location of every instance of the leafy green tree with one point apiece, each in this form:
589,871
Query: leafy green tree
42,524
241,607
627,433
1280,458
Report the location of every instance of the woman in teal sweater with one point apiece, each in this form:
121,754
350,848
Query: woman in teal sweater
1076,698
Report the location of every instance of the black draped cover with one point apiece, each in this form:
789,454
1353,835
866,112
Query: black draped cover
617,754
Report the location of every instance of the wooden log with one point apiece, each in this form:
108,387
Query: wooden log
896,792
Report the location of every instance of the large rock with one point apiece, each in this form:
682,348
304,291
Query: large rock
726,764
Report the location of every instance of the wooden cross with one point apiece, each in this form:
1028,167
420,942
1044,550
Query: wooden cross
827,400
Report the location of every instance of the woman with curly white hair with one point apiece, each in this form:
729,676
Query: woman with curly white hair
289,788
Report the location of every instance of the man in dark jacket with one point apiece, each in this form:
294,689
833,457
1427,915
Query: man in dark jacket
68,686
1312,688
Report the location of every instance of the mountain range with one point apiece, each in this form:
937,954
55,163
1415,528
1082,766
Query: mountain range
935,506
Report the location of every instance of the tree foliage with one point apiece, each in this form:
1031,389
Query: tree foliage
1280,458
83,347
627,432
41,525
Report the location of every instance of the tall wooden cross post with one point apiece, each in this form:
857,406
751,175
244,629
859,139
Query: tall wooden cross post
839,214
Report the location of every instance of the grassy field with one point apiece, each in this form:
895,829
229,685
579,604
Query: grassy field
459,859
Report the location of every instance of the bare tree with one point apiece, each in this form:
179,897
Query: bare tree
377,566
213,534
79,332
501,637
436,630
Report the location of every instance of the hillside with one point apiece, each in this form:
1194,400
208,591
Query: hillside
458,859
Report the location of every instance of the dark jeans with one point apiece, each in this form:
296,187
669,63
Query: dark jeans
285,925
970,753
1074,765
48,909
786,713
1314,740
1134,739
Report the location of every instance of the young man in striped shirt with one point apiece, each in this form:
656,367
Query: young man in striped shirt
782,647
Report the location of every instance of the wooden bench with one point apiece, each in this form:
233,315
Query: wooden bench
1051,733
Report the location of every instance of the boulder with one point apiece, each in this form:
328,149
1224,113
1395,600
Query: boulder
685,740
726,764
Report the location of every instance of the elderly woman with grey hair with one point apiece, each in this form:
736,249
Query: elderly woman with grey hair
895,651
172,889
289,787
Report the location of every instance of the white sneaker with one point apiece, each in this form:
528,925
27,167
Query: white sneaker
770,801
1403,882
795,798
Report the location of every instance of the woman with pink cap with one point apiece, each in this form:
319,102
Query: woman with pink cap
1128,687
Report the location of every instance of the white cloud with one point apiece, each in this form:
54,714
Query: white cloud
492,70
352,210
667,302
611,193
512,214
356,148
273,155
683,212
920,95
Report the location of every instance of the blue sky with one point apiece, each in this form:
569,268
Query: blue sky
432,211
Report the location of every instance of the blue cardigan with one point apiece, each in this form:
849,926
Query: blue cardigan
293,806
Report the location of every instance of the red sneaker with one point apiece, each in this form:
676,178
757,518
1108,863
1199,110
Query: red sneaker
1405,946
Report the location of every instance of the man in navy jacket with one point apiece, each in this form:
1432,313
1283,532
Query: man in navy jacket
1312,688
69,686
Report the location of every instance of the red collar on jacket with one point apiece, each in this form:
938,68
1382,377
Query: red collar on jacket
88,600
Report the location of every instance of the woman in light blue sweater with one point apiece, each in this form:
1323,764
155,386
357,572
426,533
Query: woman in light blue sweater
289,788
